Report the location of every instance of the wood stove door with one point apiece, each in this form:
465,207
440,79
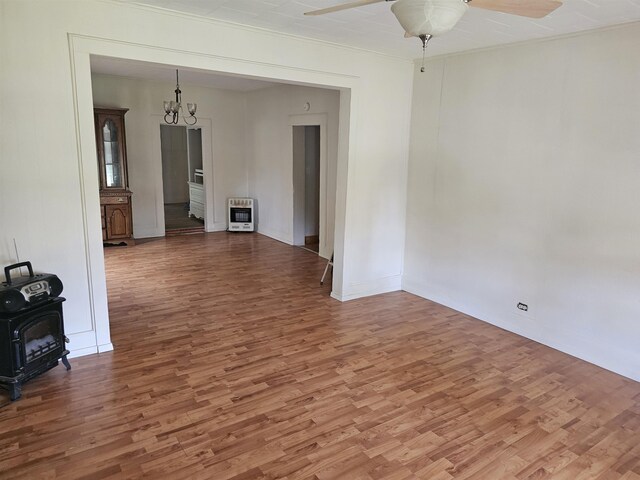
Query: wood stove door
40,340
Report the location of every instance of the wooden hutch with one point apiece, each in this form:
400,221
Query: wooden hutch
115,196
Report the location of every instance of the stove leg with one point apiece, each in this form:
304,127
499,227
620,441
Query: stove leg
65,362
14,391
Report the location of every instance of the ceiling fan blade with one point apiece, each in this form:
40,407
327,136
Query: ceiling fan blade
524,8
344,6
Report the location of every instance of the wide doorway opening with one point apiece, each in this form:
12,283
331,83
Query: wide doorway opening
234,162
182,179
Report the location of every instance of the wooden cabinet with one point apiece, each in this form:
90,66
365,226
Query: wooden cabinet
115,196
116,218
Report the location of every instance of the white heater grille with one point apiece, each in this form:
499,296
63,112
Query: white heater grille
241,214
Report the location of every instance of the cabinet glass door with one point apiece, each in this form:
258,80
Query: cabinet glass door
112,161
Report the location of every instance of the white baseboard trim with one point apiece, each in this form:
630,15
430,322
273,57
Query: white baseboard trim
81,352
418,288
148,233
388,284
92,350
590,351
107,347
217,227
281,237
324,254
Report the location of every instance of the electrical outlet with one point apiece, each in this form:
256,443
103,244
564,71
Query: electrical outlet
523,306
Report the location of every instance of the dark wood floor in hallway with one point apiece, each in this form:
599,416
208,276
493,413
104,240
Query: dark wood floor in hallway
232,362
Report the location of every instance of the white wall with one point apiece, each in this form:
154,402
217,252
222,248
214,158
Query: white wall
221,114
524,187
270,156
47,144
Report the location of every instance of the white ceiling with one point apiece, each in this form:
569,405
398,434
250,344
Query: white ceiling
374,27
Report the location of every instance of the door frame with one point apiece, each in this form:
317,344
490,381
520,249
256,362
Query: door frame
313,120
207,169
97,337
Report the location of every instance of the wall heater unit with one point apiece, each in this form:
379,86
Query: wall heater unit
241,218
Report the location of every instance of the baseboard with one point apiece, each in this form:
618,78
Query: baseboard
336,296
107,347
81,352
325,254
217,227
603,356
418,288
392,283
148,233
281,237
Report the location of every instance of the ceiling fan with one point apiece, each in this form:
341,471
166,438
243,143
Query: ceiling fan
428,18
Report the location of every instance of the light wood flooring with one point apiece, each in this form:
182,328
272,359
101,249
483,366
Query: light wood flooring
232,362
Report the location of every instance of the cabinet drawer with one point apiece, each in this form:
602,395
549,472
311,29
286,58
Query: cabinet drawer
114,200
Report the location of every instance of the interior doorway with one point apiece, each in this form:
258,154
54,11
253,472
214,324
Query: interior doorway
306,186
182,179
332,235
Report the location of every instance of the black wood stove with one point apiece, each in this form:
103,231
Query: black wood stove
32,338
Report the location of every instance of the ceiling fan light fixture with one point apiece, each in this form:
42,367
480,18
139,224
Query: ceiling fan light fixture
428,17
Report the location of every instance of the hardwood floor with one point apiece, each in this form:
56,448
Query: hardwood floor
232,362
176,218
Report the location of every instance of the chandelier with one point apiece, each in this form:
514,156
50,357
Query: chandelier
173,109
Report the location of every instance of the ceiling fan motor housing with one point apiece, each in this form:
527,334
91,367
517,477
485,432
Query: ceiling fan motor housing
428,17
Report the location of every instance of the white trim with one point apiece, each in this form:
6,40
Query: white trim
392,283
417,61
347,128
217,227
321,120
80,49
590,351
108,347
89,192
280,236
82,352
149,233
262,30
208,167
